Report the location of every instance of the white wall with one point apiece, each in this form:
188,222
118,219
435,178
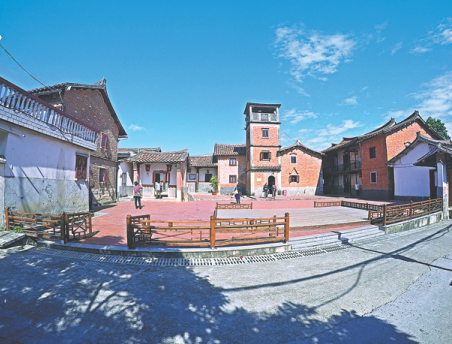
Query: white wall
39,173
412,180
146,177
202,173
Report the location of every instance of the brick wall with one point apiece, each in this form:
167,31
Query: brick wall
273,134
396,142
88,105
308,168
224,170
377,164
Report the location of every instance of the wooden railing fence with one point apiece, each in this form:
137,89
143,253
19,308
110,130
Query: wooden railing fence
397,213
141,230
234,206
49,226
356,205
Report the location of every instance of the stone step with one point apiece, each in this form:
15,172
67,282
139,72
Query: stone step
337,237
8,237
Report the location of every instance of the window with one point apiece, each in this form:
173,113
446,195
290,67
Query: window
265,133
255,117
372,153
103,175
104,141
232,179
232,161
293,179
208,176
264,117
192,176
373,177
266,156
293,159
81,163
274,118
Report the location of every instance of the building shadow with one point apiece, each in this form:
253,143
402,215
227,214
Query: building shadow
49,299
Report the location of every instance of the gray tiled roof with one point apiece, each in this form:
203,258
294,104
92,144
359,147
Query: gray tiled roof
387,128
164,157
100,85
202,161
302,146
221,149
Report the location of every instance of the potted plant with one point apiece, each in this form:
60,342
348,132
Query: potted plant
214,184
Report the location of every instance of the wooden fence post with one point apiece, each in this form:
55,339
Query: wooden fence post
212,232
251,205
430,202
90,225
63,233
7,217
286,228
411,209
130,241
384,215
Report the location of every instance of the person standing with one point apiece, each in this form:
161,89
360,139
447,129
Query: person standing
357,189
137,195
157,189
274,190
91,198
265,190
237,197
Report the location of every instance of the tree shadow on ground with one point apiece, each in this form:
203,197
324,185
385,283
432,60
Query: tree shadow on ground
48,299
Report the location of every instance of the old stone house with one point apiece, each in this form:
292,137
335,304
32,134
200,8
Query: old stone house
91,104
231,160
44,155
363,159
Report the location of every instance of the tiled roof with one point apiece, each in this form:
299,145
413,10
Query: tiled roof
220,149
387,128
202,161
164,157
302,146
100,85
126,150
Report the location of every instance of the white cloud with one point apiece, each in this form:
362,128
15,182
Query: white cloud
442,34
419,50
381,26
396,48
312,53
435,99
134,127
294,116
302,131
351,101
332,130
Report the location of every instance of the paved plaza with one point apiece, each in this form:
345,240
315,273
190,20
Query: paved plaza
110,221
394,290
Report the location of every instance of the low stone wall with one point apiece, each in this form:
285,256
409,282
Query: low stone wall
411,198
295,191
202,187
416,223
382,195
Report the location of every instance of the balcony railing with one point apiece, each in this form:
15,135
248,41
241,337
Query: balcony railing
15,98
353,166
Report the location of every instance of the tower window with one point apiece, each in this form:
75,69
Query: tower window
274,118
264,117
265,156
265,133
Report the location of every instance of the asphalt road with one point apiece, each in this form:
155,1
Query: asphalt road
396,290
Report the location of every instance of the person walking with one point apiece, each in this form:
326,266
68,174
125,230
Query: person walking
265,190
274,190
157,190
137,195
237,197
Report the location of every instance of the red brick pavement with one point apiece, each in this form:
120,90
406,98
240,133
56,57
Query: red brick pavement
112,226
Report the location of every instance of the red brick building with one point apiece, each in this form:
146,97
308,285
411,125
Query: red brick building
231,162
91,104
362,159
296,169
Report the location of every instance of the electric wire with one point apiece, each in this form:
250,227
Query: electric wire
21,65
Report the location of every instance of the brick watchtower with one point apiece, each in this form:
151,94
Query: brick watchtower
262,144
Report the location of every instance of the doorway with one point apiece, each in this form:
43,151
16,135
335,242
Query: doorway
433,192
271,182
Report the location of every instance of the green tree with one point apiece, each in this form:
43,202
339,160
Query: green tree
439,127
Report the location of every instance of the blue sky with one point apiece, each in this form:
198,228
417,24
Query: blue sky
180,73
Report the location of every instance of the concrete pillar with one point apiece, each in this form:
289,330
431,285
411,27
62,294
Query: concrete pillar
178,184
136,172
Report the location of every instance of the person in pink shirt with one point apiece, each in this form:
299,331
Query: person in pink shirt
137,195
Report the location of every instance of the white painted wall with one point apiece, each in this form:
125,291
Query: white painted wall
39,173
127,168
202,173
146,177
412,180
